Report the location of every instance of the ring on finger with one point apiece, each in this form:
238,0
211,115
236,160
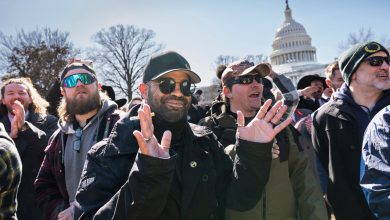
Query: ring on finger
147,139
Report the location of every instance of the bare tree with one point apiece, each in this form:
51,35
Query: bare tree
40,55
260,58
225,59
363,35
122,53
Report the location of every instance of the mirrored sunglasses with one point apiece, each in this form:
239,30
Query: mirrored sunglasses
167,86
71,81
377,60
247,79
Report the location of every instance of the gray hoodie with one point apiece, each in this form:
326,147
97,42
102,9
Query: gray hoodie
73,159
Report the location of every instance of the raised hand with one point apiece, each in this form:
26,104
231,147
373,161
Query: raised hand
147,142
18,120
264,127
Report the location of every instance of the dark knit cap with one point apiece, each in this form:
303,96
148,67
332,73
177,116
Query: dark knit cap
350,59
74,63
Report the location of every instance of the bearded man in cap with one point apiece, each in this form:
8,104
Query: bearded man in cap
338,127
163,167
86,116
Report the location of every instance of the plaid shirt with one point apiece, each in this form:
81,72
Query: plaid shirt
10,176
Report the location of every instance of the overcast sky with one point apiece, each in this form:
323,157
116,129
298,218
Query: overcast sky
201,30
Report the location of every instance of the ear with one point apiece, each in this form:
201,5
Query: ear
62,91
227,92
99,85
328,83
143,89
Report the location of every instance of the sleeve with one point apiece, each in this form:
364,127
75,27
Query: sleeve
289,93
104,194
320,143
375,172
251,168
48,195
305,184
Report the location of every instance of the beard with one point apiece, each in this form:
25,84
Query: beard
82,106
168,113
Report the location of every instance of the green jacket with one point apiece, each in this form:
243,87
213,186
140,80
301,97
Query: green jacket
292,191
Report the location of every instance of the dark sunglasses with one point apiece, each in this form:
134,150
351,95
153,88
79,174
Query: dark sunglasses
247,79
71,81
77,141
167,86
378,60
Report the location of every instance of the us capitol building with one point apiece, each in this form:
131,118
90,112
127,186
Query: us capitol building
292,53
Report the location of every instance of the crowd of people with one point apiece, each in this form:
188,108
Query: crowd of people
264,149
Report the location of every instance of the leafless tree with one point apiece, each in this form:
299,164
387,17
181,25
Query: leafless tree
122,53
40,55
363,35
225,60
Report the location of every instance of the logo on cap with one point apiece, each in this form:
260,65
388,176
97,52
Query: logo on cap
372,48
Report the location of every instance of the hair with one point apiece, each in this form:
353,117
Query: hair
38,104
65,116
331,68
220,70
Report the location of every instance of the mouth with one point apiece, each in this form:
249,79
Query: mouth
255,95
174,103
383,75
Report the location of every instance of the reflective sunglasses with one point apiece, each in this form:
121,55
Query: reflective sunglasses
77,141
246,79
167,86
71,81
378,60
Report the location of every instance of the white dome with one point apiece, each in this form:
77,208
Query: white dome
292,44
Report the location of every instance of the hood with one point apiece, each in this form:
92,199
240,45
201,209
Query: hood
67,127
345,94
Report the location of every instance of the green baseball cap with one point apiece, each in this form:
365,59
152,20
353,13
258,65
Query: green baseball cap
167,62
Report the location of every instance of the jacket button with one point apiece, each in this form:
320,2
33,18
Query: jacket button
193,164
352,147
205,178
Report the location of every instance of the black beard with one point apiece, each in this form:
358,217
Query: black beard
168,114
75,107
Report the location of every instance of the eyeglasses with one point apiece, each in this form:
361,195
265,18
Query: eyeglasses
167,86
77,142
247,79
378,60
71,81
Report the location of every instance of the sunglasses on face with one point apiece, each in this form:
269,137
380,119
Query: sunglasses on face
71,81
378,61
167,86
247,79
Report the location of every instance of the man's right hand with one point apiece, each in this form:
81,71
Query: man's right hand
18,120
147,142
308,91
67,214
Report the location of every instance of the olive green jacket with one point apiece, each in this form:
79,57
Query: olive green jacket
292,191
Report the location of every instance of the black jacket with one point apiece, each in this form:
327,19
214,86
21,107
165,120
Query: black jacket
31,144
337,138
112,187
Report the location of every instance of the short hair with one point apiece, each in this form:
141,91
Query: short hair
38,104
331,68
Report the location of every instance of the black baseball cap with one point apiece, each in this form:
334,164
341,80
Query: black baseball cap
167,62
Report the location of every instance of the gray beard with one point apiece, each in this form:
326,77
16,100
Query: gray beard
76,107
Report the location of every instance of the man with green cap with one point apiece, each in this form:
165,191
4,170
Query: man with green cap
338,126
156,165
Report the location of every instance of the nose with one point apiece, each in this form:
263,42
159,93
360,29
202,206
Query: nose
79,83
177,92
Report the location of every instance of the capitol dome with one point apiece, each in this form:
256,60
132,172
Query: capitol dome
292,44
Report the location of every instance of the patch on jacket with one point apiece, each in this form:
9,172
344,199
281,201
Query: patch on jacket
87,182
